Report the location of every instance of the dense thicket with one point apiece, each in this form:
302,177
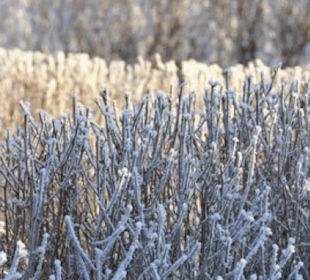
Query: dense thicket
216,31
162,190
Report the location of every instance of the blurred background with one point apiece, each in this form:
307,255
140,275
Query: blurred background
211,31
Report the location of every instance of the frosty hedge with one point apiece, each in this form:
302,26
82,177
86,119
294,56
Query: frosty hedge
162,190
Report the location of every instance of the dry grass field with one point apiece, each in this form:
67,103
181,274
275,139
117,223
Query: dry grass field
47,82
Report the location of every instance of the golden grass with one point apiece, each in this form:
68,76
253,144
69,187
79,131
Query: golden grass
47,81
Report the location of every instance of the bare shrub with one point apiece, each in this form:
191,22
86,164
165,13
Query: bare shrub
162,190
